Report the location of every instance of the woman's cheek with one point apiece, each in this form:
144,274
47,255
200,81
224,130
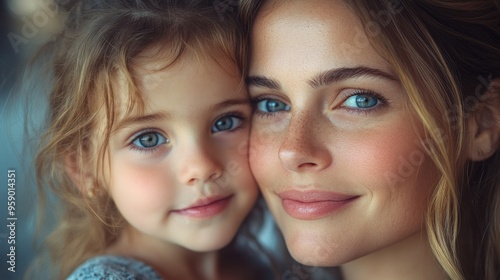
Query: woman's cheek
263,155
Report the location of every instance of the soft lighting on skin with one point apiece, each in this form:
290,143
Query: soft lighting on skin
328,129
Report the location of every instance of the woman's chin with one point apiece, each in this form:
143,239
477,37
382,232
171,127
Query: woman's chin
311,254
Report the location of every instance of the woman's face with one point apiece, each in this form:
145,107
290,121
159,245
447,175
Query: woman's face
334,147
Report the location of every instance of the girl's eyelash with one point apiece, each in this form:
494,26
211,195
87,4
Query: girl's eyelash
144,151
142,131
139,133
237,114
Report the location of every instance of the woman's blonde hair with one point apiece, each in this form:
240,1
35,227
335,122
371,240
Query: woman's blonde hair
445,53
102,40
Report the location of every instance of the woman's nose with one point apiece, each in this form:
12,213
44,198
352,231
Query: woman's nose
304,148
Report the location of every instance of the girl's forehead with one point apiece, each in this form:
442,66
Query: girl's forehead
153,60
152,81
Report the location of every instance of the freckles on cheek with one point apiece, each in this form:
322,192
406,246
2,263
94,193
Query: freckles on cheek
264,162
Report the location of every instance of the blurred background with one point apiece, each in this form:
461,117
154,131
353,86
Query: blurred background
24,26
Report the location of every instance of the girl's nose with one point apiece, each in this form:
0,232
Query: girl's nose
199,165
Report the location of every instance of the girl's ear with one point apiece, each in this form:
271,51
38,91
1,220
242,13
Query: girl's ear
484,126
78,174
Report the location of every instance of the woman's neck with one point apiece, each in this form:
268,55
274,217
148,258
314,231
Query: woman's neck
169,260
411,258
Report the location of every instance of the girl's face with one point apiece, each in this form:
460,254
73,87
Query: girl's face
334,147
179,172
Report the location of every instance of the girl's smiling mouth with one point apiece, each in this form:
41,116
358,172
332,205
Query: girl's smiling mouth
205,208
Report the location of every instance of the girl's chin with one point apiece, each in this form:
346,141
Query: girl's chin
214,244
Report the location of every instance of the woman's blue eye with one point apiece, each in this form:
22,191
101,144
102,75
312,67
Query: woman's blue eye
226,123
361,101
272,106
150,140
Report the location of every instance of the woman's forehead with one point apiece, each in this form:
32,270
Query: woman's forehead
299,36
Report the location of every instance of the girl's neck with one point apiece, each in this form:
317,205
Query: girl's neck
169,260
409,259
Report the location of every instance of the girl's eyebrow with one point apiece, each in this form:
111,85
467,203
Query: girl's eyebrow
161,116
230,102
324,78
142,119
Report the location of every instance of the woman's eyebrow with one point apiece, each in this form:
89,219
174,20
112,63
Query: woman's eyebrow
324,78
340,74
262,81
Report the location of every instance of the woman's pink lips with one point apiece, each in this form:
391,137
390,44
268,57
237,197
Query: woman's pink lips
205,208
311,205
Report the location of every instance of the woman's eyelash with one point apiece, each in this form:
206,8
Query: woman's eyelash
263,114
381,103
367,92
254,101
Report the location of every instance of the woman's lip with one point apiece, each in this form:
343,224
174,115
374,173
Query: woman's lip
314,196
205,208
312,205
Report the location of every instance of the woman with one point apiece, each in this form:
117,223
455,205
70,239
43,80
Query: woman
376,133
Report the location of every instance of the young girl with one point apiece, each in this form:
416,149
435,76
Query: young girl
149,121
376,133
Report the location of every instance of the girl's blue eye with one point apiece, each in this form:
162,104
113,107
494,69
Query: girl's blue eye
361,101
226,123
271,106
150,140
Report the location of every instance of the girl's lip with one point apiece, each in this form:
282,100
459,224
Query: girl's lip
312,205
205,208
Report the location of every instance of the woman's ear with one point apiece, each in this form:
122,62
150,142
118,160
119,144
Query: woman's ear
484,125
